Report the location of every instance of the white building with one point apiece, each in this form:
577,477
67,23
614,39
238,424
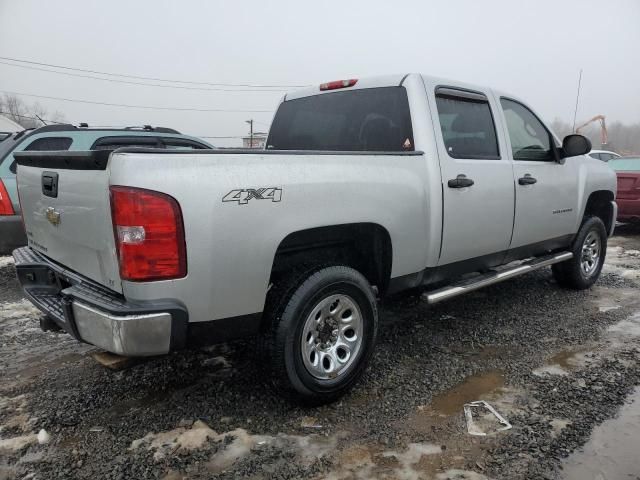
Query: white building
259,139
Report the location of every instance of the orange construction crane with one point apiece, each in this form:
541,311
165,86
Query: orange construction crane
604,136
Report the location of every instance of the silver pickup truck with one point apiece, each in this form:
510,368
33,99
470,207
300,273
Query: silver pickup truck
366,187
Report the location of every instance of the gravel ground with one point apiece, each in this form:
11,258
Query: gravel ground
555,363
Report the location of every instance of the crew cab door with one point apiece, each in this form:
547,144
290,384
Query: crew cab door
546,189
477,180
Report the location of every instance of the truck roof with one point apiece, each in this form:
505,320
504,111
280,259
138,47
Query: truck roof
379,81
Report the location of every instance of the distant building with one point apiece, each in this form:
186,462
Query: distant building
259,139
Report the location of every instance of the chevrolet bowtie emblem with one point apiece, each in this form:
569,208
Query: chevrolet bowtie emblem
53,216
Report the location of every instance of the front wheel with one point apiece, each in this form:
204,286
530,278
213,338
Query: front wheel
589,250
321,333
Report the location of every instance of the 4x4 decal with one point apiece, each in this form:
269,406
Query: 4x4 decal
242,196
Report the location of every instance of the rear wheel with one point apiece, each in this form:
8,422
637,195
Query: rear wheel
321,333
589,250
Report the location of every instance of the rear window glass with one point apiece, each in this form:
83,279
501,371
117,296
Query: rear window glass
373,119
49,144
625,164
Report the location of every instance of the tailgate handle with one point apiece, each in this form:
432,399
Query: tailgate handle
50,184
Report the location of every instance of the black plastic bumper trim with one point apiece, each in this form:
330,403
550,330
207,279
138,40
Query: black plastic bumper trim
40,277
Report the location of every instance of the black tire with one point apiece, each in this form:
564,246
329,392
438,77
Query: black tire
289,305
570,274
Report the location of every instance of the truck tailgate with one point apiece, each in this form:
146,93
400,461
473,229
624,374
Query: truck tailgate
65,204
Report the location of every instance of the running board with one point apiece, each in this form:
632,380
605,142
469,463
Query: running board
495,276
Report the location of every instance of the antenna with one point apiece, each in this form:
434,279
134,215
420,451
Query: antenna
575,113
43,122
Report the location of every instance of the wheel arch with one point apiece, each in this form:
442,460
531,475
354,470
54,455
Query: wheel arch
599,204
365,246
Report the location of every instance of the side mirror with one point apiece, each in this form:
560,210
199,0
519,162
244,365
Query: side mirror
575,144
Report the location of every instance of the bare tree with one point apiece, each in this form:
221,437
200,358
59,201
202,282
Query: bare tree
27,116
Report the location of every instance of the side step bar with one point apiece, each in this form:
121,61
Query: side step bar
495,276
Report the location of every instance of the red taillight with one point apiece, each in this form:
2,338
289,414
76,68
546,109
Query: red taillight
149,234
6,208
338,84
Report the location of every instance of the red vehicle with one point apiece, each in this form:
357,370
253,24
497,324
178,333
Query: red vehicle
628,198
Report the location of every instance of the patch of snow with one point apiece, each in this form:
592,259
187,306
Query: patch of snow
43,437
16,444
234,444
455,474
6,261
628,327
410,457
550,370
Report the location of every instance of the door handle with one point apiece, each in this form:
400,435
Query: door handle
461,181
527,180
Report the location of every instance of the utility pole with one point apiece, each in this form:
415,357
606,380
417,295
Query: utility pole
250,122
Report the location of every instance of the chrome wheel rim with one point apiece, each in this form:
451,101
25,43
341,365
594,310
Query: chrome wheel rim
590,253
332,337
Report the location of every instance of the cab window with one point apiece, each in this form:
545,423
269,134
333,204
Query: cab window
530,140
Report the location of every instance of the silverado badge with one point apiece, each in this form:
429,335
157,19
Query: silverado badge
53,216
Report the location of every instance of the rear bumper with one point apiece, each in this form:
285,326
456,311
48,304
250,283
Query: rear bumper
94,314
12,234
628,209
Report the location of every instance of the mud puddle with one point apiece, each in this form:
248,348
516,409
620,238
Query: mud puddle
612,451
417,461
448,452
566,361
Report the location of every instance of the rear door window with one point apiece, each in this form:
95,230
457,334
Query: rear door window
467,126
372,119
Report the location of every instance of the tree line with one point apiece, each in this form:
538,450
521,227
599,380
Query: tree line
27,115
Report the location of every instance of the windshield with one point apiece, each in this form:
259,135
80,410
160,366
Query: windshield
372,119
630,164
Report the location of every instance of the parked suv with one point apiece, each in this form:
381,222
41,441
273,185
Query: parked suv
70,137
604,155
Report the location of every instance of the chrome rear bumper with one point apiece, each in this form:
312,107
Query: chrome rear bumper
96,315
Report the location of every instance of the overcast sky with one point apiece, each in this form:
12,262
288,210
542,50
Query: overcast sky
532,49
